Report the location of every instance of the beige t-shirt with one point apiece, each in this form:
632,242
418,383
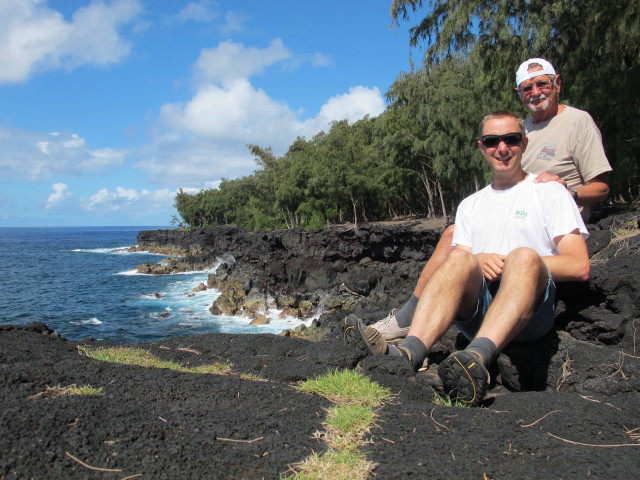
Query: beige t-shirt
569,145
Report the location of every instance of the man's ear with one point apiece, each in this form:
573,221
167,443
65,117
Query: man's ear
480,146
558,82
525,142
517,90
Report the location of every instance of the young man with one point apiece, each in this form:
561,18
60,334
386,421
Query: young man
512,240
565,146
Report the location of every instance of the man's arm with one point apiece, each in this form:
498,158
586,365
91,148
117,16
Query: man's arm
572,262
593,191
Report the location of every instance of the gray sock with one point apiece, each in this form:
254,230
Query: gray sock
405,314
485,348
417,351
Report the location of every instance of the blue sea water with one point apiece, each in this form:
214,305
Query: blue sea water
81,282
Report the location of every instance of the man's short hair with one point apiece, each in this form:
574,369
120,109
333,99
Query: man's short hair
501,114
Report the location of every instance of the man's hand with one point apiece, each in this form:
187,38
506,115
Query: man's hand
549,177
492,265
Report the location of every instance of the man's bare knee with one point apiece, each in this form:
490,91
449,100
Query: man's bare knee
525,261
462,259
523,257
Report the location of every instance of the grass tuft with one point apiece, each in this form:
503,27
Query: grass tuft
447,401
356,398
625,229
144,358
334,464
59,391
347,387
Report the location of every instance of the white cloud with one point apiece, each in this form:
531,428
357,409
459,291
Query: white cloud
321,60
234,23
34,37
32,156
202,11
352,106
59,194
231,61
130,200
237,113
198,163
204,139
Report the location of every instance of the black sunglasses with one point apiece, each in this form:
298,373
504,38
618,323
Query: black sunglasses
510,139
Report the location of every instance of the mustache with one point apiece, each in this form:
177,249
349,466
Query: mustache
542,96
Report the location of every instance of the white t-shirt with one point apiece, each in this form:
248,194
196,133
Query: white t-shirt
526,215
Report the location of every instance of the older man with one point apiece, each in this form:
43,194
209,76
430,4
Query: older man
512,240
564,143
565,146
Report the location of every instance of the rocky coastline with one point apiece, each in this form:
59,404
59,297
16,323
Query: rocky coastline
562,407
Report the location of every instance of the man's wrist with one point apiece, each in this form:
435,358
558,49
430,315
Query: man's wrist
574,192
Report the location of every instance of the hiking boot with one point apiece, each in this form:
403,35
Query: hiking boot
464,377
433,381
350,335
366,339
389,328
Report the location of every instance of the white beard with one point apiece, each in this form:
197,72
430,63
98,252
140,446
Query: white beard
543,106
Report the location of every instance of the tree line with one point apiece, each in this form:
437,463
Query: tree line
419,157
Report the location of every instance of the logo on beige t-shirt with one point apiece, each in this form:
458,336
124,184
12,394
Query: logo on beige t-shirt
547,152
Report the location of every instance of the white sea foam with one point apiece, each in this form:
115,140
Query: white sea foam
154,296
134,271
88,321
171,300
111,251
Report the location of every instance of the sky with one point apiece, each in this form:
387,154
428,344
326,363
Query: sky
108,108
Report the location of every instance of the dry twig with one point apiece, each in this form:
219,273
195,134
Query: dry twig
634,434
96,469
344,288
572,442
540,419
617,367
435,421
188,350
239,441
566,371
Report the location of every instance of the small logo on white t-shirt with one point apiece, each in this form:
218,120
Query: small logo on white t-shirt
521,214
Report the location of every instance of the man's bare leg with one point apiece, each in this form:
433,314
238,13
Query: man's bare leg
464,374
451,290
397,324
524,280
440,254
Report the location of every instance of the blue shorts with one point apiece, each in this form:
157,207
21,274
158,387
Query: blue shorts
538,326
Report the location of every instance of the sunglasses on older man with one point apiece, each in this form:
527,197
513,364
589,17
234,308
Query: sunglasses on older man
541,84
510,139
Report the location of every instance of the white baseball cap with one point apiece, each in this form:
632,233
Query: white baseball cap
523,74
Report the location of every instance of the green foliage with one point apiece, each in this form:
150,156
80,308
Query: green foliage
419,157
347,423
347,387
144,358
594,44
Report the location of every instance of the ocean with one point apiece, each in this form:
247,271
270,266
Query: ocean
81,282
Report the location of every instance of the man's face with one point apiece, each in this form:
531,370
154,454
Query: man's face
503,154
539,94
